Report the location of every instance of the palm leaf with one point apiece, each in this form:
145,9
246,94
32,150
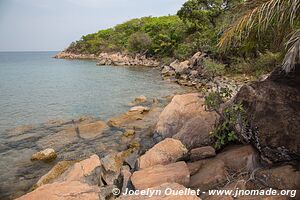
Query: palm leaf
261,15
292,57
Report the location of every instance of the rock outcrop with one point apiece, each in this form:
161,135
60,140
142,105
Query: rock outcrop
165,152
116,59
186,119
273,112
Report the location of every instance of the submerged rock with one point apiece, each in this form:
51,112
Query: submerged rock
45,155
165,152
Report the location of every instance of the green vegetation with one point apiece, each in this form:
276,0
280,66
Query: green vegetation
225,132
240,37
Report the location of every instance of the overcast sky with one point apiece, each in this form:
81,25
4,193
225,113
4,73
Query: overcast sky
41,25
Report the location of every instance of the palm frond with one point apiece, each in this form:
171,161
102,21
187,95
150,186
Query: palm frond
261,15
292,57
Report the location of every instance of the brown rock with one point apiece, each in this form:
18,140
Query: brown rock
92,130
284,177
159,174
240,158
202,152
185,119
165,152
195,166
211,174
82,169
124,119
73,190
165,189
45,155
273,109
54,173
72,184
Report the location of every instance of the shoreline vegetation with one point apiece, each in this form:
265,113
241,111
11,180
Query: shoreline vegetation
225,135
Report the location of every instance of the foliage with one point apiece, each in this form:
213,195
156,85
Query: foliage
158,36
256,67
214,68
139,42
261,16
225,131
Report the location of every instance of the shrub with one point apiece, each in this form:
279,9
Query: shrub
139,42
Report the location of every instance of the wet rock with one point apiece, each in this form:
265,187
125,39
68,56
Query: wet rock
240,158
273,111
45,155
211,175
54,173
140,99
186,119
129,133
283,177
74,190
165,152
165,189
92,130
202,152
159,174
124,119
140,109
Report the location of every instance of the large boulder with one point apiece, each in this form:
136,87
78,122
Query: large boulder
74,190
159,174
240,158
212,174
273,112
186,119
81,181
165,152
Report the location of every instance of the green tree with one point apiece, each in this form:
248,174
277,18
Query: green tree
139,42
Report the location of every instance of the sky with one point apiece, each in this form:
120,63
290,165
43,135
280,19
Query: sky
50,25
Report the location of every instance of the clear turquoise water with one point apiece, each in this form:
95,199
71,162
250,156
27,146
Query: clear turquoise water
35,88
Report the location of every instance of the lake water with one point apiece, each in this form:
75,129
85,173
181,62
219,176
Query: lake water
34,88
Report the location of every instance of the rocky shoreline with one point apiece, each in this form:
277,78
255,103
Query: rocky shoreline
180,156
190,73
116,59
169,146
